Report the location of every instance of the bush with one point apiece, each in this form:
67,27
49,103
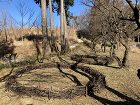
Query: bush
6,48
84,34
33,37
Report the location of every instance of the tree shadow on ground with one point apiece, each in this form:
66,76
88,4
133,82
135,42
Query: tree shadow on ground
6,76
112,67
13,85
96,79
127,100
70,76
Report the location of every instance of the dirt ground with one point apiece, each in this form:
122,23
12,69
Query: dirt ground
122,84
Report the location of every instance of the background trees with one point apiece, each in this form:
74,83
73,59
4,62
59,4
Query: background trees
106,23
55,5
26,13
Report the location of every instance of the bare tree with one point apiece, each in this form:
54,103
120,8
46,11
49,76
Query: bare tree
106,21
4,24
136,16
26,13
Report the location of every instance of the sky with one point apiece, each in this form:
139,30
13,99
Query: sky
11,8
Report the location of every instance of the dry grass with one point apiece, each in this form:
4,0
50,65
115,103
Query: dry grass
124,81
24,49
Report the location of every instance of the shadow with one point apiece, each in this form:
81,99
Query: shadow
6,76
122,95
70,76
113,67
127,100
96,79
13,85
75,68
138,73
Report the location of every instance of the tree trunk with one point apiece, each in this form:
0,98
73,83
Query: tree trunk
44,28
112,48
103,47
124,62
64,40
6,37
36,44
126,53
66,33
52,39
125,58
51,16
138,39
62,26
93,46
117,59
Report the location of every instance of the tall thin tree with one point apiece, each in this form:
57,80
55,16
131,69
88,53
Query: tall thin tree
44,27
64,40
52,40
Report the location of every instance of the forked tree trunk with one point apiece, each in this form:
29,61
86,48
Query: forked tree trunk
125,61
117,59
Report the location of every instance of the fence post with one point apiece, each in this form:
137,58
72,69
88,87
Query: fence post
71,94
85,91
49,95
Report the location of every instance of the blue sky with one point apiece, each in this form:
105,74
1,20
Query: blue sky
11,8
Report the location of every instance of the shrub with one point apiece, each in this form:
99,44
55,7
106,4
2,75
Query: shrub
6,48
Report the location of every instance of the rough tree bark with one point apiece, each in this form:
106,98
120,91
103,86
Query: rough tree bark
125,62
64,40
44,28
53,45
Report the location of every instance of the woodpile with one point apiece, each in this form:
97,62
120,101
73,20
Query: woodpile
96,82
93,59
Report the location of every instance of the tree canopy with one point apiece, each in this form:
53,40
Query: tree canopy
56,6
